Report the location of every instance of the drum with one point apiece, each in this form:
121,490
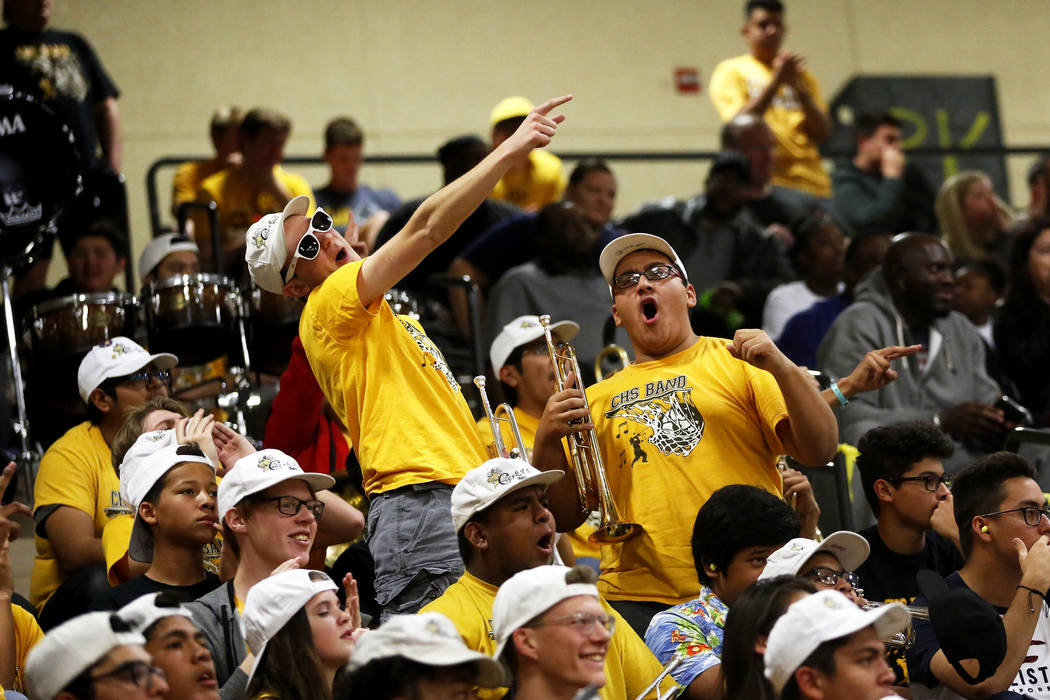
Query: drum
70,326
39,173
274,323
194,317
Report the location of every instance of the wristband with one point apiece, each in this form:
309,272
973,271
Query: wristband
1031,608
838,394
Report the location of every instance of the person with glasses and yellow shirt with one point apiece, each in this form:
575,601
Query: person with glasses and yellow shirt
77,490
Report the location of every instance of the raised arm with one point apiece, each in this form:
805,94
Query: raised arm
441,213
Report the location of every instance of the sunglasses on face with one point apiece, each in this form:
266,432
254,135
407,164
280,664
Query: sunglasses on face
309,245
144,376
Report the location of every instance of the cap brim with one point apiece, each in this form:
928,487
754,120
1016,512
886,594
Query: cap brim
140,547
542,479
848,547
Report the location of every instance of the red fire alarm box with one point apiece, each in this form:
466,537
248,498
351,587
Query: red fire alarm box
687,80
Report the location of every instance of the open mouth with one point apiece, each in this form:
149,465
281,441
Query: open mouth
650,310
301,537
341,255
208,680
546,543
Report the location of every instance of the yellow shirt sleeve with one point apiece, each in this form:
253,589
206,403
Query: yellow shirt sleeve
728,89
63,480
116,538
27,634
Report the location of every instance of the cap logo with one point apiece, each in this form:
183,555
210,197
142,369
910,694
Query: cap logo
832,604
263,232
498,477
528,324
796,547
272,465
156,436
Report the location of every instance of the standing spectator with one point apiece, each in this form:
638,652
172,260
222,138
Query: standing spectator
973,219
533,180
225,139
776,86
876,190
344,144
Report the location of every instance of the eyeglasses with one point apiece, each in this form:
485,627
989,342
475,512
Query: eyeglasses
290,505
309,245
144,376
584,622
138,673
931,482
1032,514
829,577
653,273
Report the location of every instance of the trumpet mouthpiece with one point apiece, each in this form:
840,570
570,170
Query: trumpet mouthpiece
479,381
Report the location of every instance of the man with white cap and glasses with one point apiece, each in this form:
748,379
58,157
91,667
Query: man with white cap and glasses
703,412
168,255
499,512
829,564
269,510
416,656
175,643
94,656
387,382
552,632
77,490
826,648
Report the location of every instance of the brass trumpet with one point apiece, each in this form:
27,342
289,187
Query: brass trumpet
671,665
503,413
587,465
611,350
903,640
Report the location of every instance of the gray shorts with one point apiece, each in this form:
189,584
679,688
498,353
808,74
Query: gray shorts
412,541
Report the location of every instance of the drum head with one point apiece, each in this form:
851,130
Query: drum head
39,173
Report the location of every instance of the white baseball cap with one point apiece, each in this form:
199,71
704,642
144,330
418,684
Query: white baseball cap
140,470
272,602
258,472
482,486
529,593
848,547
266,251
619,248
71,648
525,329
159,248
428,638
819,618
142,612
116,357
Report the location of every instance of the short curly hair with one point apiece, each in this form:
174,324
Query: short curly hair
891,450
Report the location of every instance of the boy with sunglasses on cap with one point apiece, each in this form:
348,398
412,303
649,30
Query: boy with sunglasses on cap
269,510
171,488
94,656
387,382
690,415
77,490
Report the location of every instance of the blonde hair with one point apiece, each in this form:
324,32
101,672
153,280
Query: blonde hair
952,221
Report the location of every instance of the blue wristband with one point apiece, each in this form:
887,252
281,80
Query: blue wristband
838,394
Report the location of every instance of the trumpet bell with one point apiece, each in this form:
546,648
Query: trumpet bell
614,532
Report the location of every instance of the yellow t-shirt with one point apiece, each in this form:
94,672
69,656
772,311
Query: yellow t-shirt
188,179
629,665
27,634
542,182
673,431
796,159
241,204
390,386
76,471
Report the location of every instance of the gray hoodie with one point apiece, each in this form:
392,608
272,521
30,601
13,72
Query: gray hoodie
216,615
954,375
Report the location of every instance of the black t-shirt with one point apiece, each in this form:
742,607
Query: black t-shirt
116,598
62,70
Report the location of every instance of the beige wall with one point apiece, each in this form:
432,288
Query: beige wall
415,73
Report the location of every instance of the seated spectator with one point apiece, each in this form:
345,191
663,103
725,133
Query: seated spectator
501,519
413,654
817,256
225,139
178,648
344,144
1002,517
973,219
77,490
93,657
909,301
803,332
829,564
731,262
979,289
530,610
298,633
877,190
1039,188
735,531
1022,325
592,188
171,489
563,277
824,648
456,156
747,628
168,255
537,179
245,192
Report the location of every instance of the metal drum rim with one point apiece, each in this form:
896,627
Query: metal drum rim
72,300
187,280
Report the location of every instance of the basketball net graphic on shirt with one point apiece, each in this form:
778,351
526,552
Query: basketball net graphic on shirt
427,346
667,409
